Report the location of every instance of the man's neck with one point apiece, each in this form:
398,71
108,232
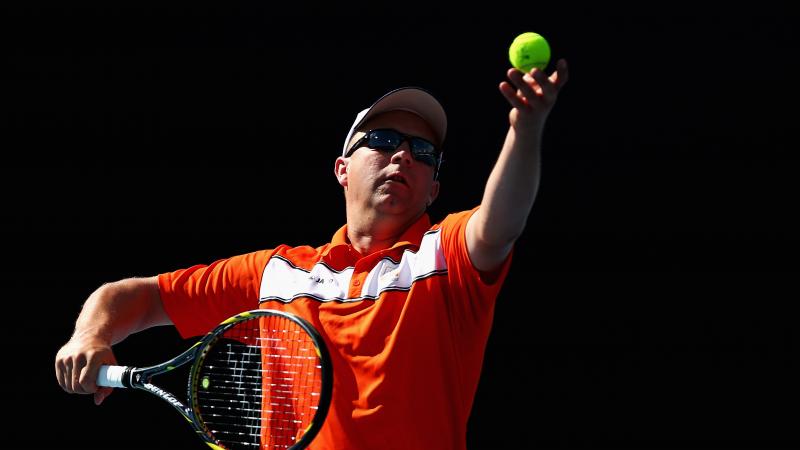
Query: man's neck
372,232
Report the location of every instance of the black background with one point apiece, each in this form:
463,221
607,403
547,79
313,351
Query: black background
650,304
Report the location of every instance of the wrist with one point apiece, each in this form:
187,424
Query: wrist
526,136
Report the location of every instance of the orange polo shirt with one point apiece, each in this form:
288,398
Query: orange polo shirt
406,327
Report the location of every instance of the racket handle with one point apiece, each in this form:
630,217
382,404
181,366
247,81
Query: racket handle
111,376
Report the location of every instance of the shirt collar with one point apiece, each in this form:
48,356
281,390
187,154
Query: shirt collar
412,235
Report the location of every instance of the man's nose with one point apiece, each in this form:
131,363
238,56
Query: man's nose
402,154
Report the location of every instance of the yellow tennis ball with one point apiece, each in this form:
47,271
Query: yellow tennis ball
529,50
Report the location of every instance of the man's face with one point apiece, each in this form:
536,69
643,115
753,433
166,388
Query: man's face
392,182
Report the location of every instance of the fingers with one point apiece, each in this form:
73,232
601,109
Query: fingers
87,379
101,395
76,370
76,366
526,87
534,89
545,89
561,75
65,373
511,95
62,374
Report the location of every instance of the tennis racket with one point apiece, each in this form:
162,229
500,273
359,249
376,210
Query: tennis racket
261,379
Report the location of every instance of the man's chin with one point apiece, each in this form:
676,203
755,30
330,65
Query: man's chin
394,204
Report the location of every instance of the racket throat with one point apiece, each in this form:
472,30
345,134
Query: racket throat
169,398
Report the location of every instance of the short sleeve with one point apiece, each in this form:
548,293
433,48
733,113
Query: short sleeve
200,297
478,289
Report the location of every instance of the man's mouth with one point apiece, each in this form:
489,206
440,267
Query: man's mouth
397,178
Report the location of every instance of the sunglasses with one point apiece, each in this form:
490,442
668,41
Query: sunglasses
388,140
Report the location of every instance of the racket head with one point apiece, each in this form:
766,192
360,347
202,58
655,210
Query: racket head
261,379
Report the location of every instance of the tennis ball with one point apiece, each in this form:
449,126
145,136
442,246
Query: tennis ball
529,50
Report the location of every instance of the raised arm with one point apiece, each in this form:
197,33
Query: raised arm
514,180
113,312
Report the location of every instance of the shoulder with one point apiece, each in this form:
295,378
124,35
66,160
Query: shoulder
454,220
304,256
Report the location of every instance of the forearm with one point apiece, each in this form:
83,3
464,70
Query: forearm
117,310
511,189
514,180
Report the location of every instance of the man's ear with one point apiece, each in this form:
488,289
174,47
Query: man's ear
340,170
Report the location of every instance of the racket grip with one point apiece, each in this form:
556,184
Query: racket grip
111,376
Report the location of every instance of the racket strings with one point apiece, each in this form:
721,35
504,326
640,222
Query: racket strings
236,392
259,386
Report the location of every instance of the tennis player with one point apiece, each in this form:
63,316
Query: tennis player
404,306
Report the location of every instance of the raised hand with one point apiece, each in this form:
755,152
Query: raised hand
532,96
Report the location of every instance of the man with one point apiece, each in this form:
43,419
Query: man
405,308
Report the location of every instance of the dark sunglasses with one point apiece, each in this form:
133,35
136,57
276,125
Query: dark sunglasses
388,140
